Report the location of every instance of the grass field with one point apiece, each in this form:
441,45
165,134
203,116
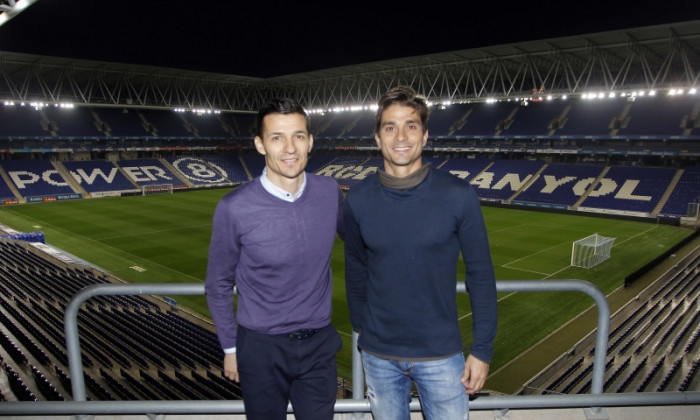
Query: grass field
165,238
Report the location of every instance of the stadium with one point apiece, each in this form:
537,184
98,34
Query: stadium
583,150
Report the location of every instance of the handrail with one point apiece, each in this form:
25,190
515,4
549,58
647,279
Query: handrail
27,408
73,344
595,399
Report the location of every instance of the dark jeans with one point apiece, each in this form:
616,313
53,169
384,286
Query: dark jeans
276,369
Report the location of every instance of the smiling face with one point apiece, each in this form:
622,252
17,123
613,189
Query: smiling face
285,142
401,137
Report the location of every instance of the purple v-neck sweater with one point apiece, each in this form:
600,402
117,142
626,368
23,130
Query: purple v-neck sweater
277,254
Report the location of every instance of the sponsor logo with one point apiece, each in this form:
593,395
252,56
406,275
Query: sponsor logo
200,172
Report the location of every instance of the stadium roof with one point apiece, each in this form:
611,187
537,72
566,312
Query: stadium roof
655,39
643,57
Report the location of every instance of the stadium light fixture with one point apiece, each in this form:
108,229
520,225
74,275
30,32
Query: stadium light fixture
199,111
442,104
15,7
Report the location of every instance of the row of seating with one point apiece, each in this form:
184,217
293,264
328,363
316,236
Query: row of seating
17,385
664,327
672,116
131,348
96,122
620,188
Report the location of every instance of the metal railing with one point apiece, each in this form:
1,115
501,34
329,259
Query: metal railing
358,404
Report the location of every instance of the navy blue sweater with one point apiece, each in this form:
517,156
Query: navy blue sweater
401,254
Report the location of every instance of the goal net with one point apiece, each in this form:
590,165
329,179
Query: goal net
155,189
693,208
591,250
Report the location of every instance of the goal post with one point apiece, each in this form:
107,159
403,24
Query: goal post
693,209
156,189
591,250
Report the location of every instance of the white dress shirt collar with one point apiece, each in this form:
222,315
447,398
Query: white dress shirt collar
279,192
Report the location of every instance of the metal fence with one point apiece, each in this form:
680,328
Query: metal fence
592,402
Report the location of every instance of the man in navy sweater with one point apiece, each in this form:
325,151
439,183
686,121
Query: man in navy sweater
405,228
272,238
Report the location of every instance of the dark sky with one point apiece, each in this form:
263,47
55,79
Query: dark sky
260,38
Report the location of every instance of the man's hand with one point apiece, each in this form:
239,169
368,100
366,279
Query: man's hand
231,366
474,376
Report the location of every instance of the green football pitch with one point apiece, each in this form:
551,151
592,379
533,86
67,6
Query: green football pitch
165,239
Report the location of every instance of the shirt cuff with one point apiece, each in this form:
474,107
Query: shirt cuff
229,351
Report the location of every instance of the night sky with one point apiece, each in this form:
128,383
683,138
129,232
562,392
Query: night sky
274,38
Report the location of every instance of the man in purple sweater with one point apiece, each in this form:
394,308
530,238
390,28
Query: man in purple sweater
272,239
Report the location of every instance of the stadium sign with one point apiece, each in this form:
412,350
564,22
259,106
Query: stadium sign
146,173
512,182
81,176
22,179
347,172
199,171
58,197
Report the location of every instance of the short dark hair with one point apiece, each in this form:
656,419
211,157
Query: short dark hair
404,96
280,106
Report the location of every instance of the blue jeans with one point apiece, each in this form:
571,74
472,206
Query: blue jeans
439,385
